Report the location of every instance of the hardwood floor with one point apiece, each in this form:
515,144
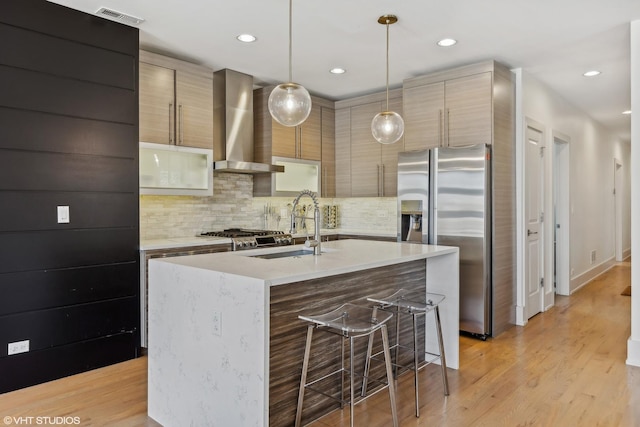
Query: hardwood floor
565,368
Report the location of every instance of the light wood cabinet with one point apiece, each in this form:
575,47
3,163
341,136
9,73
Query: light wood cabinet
452,112
328,117
176,102
312,140
373,167
299,142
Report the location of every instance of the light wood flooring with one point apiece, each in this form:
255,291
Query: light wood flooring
565,368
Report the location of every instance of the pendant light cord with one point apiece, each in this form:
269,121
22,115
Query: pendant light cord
387,64
290,41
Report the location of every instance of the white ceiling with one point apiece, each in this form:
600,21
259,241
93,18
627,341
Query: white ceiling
553,40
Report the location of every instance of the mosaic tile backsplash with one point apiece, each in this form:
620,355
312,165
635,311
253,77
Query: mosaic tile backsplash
233,205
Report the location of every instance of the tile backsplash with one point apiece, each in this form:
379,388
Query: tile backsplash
233,205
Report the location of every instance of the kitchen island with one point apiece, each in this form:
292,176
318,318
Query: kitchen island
225,344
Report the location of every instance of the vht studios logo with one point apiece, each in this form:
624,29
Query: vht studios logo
46,421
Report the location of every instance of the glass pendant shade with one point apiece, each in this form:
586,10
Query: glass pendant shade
387,127
289,104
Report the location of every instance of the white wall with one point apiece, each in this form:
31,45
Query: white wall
593,148
633,345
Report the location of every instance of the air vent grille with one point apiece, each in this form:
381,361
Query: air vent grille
114,15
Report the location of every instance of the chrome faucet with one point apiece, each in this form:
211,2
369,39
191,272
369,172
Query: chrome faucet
315,243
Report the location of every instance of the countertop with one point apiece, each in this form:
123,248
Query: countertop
338,257
182,242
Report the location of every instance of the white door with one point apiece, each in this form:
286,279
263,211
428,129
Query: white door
533,208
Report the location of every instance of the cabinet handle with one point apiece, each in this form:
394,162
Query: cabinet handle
170,123
180,124
440,127
446,128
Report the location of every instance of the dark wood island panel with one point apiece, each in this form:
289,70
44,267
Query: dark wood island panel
288,333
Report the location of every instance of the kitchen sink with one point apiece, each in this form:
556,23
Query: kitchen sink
289,254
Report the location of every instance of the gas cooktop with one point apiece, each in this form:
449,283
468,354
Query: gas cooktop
242,238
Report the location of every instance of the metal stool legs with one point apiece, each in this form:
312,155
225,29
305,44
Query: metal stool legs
443,360
389,373
416,356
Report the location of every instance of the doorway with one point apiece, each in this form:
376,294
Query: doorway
561,214
534,218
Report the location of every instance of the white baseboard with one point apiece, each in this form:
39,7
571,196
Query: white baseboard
579,281
521,319
626,254
633,352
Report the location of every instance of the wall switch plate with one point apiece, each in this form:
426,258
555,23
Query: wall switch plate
17,347
216,323
63,214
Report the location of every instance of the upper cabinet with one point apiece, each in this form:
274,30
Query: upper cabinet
452,108
328,117
299,142
313,140
364,167
176,102
274,139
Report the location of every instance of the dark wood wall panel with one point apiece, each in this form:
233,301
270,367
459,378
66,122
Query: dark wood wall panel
69,24
65,58
44,289
32,90
63,134
288,333
58,249
26,369
39,210
65,325
68,137
59,172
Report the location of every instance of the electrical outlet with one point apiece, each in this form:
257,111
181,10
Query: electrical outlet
216,323
17,347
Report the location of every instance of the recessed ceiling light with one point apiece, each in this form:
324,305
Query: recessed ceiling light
246,38
627,112
447,42
591,73
337,70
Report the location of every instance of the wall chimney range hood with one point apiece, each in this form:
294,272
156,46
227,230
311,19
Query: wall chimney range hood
233,125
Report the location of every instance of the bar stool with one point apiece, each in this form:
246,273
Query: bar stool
416,304
349,321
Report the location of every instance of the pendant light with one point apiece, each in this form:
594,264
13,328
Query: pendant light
290,103
387,127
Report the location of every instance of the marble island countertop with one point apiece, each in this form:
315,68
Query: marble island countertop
338,257
213,356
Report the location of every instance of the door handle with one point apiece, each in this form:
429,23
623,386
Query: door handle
529,232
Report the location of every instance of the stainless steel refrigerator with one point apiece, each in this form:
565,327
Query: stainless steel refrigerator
444,198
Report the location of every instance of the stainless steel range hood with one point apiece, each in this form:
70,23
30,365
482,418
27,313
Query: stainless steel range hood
233,124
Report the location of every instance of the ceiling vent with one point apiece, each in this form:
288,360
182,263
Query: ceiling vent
114,15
